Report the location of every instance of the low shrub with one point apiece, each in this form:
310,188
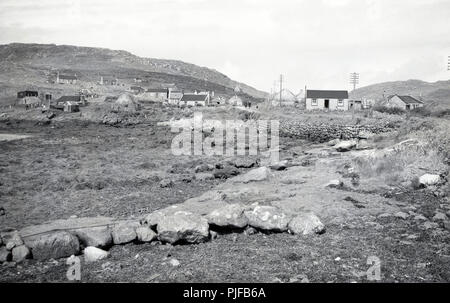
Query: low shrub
389,110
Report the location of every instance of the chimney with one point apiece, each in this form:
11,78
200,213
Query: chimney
57,77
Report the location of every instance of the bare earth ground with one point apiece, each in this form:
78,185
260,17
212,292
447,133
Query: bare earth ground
91,169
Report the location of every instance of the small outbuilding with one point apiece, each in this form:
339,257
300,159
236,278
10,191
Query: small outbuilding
235,101
403,102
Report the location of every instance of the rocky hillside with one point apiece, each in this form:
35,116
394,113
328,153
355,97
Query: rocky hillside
34,64
436,95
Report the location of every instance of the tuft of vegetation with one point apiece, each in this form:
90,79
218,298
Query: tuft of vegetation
389,110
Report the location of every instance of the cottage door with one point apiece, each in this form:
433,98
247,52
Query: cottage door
327,103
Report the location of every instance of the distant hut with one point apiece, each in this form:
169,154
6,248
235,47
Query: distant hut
125,103
71,107
236,101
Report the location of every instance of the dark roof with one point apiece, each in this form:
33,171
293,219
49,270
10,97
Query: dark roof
189,97
327,94
136,88
67,77
157,90
69,98
407,99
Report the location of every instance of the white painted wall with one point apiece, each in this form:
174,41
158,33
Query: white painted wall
333,104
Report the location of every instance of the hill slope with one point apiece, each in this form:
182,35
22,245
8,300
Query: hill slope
33,64
436,95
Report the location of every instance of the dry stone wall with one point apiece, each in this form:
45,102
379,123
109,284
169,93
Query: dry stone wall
325,132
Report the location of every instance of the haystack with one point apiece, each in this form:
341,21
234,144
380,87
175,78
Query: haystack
125,103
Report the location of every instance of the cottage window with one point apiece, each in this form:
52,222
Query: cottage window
314,102
340,102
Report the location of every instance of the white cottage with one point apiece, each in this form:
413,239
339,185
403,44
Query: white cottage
403,102
327,99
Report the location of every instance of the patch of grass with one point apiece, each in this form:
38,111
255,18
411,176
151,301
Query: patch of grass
389,110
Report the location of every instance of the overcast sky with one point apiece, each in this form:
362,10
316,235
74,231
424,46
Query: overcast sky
312,42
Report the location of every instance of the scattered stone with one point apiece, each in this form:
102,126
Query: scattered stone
183,226
166,183
333,142
447,225
401,215
213,235
440,217
334,183
257,174
243,162
250,231
231,215
203,167
226,172
5,255
124,232
20,253
268,218
145,234
99,236
11,239
93,254
429,179
53,245
204,176
282,165
384,215
420,218
174,262
306,224
344,146
430,225
362,144
2,211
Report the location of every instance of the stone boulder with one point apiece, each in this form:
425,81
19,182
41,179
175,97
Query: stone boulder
429,179
124,232
226,172
53,245
282,165
11,239
204,176
306,224
231,216
268,218
93,254
166,183
344,146
20,253
99,236
183,226
243,162
5,255
145,234
257,174
203,168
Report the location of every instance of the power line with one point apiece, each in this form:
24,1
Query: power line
281,87
354,79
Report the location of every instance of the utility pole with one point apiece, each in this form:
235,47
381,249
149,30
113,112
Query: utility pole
448,63
281,87
354,79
